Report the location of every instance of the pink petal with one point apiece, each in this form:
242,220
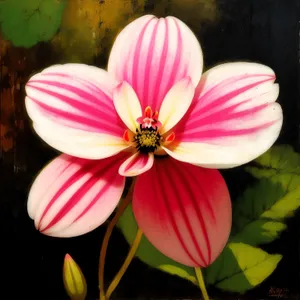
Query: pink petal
72,110
72,196
127,105
184,211
233,119
176,104
153,54
136,164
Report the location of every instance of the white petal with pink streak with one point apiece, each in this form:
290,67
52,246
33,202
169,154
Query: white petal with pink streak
153,54
72,196
72,110
137,164
233,118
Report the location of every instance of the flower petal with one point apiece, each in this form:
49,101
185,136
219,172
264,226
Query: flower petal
176,104
184,211
127,105
72,196
153,54
233,118
136,164
76,100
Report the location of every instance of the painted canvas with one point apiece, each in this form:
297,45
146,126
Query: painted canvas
150,149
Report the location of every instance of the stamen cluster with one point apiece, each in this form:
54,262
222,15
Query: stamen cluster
147,139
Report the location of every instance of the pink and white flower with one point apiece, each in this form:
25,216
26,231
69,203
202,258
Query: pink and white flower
151,114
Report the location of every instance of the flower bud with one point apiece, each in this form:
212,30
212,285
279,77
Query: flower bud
74,281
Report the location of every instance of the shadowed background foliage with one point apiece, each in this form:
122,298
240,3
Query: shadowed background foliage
265,31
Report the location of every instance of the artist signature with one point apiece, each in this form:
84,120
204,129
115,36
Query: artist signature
278,292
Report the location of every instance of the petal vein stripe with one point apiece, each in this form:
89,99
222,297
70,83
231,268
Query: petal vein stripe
218,103
172,219
75,120
136,53
162,65
99,90
93,99
94,121
89,168
172,178
227,83
158,52
148,63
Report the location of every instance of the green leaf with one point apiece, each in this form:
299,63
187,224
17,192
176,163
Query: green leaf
260,232
240,267
285,207
258,216
26,23
278,160
148,253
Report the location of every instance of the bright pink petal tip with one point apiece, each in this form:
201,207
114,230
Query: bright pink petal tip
153,54
186,211
68,257
72,196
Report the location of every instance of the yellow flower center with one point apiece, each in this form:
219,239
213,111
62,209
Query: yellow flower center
147,139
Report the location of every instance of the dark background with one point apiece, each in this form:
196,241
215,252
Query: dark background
265,31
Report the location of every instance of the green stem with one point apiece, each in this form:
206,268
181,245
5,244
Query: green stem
106,238
126,263
201,283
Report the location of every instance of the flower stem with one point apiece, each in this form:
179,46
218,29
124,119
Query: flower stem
106,238
126,263
201,283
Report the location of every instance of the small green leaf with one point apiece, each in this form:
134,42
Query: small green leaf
278,160
258,216
148,253
285,206
281,158
241,267
260,232
26,23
